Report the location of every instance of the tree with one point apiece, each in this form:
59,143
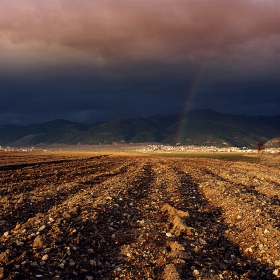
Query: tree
259,146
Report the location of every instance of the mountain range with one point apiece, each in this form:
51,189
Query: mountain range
196,127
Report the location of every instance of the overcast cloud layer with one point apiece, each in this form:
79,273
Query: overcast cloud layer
106,59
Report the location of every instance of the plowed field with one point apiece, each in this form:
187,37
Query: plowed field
137,217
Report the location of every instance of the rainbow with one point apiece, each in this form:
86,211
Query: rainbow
190,97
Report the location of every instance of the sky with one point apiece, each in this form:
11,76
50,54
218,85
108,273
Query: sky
101,60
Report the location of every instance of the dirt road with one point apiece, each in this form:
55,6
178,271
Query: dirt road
137,217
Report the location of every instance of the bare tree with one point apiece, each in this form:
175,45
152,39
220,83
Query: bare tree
259,146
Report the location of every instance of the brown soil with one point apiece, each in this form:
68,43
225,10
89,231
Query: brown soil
85,216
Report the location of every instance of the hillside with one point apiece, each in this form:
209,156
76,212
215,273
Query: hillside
196,127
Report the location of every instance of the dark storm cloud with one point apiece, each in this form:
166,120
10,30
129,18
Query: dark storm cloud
97,60
93,98
258,99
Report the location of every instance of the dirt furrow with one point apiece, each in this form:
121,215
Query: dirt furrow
133,217
19,207
63,223
28,179
252,221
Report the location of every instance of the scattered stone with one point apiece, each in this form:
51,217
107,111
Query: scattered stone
61,265
19,243
41,228
276,272
195,272
45,257
2,274
39,242
202,241
51,219
250,250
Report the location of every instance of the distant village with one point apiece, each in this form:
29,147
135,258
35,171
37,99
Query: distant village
193,148
14,149
165,148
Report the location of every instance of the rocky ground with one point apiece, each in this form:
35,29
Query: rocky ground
89,217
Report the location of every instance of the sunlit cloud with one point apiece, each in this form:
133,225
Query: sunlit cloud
124,31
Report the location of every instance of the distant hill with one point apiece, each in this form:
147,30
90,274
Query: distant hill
196,127
273,143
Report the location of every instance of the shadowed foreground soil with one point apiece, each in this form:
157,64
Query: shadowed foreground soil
82,216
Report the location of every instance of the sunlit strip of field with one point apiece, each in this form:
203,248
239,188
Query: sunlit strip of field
214,155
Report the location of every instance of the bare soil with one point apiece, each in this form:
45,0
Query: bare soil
88,216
